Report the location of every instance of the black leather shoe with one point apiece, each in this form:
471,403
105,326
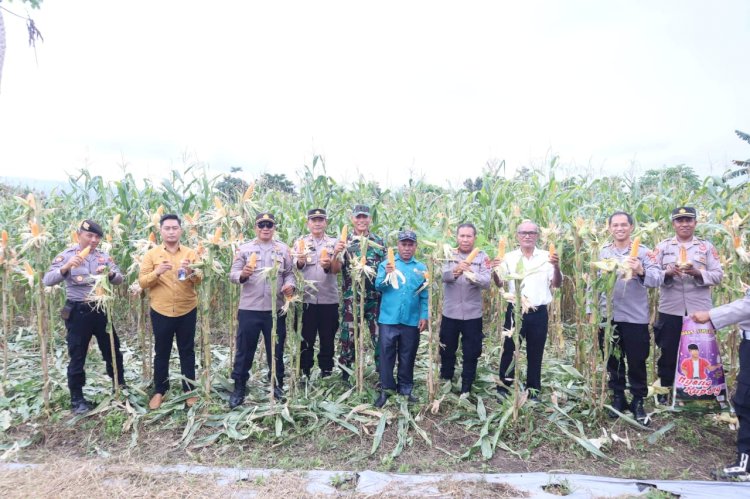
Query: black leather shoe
237,397
381,400
620,403
636,407
80,406
278,393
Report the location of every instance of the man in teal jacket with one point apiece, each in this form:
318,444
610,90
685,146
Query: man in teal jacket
403,315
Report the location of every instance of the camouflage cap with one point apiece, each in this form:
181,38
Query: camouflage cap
361,209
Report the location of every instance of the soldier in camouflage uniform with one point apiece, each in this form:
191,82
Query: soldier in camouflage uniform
361,221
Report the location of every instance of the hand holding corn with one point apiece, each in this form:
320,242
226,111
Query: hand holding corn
288,290
325,259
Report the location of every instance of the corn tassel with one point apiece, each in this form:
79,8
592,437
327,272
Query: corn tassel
635,246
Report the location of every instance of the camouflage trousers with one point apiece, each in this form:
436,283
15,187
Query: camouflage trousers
372,310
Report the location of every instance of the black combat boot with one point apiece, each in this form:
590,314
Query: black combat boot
636,407
619,402
238,395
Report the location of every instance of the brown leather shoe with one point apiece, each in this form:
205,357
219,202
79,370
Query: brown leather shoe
155,401
191,401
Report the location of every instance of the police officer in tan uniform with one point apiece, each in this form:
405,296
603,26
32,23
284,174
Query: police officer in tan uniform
82,319
686,286
254,315
320,309
737,312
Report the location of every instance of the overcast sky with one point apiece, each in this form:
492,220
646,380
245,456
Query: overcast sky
382,89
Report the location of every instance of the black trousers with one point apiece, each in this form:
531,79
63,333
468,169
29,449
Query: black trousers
667,331
742,399
317,320
629,351
470,331
534,332
83,323
251,324
165,330
399,341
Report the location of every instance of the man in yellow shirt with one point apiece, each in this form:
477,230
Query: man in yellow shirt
165,272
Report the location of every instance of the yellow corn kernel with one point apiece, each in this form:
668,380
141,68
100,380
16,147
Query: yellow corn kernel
85,252
116,220
253,259
344,233
160,210
391,257
28,269
323,254
635,246
34,229
737,241
472,255
218,204
301,246
551,249
363,260
216,239
152,238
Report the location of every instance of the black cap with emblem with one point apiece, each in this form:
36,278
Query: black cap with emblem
264,215
683,212
91,226
317,213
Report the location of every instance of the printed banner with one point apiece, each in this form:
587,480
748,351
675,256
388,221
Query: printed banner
700,372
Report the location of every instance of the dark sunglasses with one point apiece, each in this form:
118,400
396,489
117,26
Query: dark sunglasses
265,225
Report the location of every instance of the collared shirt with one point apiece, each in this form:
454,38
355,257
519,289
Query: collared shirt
168,295
375,255
324,281
681,295
630,298
539,274
403,305
256,290
462,297
80,280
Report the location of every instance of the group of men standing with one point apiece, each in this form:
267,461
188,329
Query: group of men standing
395,305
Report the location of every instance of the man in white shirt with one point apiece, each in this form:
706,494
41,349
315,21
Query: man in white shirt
541,272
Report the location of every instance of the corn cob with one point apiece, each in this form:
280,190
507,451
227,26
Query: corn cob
635,246
301,246
35,229
737,241
5,238
253,260
472,255
152,238
323,254
551,249
683,255
28,269
344,232
74,236
248,192
501,248
391,257
217,236
85,252
116,220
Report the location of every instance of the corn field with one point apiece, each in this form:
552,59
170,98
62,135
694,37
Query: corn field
571,213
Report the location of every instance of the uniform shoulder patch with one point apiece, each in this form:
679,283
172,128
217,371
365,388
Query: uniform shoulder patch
59,259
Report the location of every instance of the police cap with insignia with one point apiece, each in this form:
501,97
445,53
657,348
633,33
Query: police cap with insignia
265,216
683,212
317,213
361,209
91,226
